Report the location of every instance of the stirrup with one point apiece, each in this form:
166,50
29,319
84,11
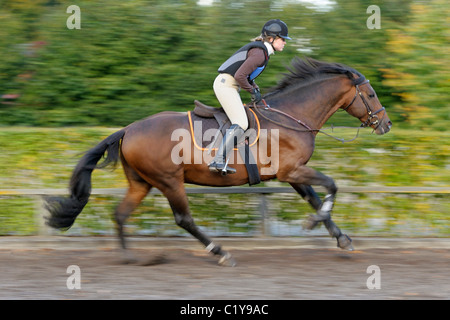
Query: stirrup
221,168
220,162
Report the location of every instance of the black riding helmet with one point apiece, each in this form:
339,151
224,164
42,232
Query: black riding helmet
275,28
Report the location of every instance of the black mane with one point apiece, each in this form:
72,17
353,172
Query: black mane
304,70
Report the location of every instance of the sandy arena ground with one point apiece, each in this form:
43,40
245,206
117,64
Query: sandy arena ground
278,269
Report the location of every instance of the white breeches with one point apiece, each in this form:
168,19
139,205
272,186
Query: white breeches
227,92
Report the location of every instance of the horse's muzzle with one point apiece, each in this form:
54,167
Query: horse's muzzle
384,127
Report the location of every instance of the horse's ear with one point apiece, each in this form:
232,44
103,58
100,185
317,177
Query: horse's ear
350,75
359,80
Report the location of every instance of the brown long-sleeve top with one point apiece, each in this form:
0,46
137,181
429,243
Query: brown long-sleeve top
255,58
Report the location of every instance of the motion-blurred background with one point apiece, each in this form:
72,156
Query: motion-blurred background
63,90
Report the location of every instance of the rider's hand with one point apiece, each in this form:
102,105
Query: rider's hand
256,95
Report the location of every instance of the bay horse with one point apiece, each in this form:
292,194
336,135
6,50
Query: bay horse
304,99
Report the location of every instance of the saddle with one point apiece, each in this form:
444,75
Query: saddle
216,118
204,118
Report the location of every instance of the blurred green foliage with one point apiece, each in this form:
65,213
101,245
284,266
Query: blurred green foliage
131,59
135,58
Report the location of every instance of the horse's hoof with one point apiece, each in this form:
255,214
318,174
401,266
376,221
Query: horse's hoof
310,223
345,243
314,219
227,260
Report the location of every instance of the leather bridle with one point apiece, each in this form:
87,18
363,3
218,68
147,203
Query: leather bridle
373,118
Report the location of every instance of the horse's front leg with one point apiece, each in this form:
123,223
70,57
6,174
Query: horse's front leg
301,180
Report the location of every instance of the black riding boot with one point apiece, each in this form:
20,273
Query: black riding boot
219,163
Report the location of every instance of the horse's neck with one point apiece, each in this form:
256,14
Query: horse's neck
314,103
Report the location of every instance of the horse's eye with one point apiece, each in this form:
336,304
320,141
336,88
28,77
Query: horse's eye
371,96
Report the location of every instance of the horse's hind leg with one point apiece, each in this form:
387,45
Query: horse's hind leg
179,203
136,193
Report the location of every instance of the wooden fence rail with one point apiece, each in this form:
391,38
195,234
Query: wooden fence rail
241,190
37,194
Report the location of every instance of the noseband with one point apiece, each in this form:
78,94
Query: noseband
373,118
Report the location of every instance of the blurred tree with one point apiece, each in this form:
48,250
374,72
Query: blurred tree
135,58
419,63
341,35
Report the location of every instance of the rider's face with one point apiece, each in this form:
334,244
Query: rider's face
278,44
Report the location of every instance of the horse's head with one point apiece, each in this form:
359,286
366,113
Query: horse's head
366,107
361,101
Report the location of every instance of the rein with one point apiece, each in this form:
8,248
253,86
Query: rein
308,128
267,107
367,123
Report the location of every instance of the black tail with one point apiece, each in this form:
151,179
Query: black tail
64,210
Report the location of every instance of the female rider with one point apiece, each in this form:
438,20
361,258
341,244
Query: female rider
240,71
